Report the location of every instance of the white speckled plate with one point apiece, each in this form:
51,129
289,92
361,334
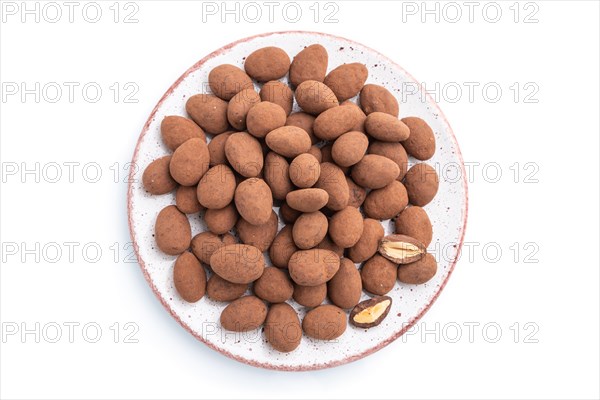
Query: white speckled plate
448,213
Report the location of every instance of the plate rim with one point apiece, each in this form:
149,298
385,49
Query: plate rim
309,367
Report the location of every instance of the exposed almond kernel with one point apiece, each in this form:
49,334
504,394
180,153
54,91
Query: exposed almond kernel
401,249
369,313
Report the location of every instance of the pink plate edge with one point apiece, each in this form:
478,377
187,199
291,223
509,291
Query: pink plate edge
310,367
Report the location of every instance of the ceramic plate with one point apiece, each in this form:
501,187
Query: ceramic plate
448,212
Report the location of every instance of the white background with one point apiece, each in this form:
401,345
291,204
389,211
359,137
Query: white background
557,295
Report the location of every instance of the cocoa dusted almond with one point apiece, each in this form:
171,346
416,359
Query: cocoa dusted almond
216,149
333,181
334,122
379,275
347,80
288,141
189,162
157,178
375,172
277,176
227,80
370,313
386,127
401,249
310,63
176,130
189,277
218,289
325,322
209,112
239,105
307,200
282,328
254,201
238,263
418,272
267,63
244,314
313,267
375,98
172,231
264,117
314,97
279,93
